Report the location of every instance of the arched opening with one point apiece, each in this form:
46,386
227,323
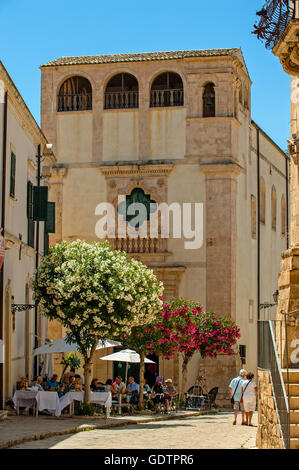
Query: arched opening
273,208
75,94
283,216
121,92
209,100
262,201
253,216
167,90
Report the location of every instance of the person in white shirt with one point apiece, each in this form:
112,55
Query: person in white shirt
236,392
249,392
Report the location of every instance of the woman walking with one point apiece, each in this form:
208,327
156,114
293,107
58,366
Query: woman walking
249,392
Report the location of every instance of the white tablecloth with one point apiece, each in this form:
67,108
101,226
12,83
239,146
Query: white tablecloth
103,398
24,398
48,401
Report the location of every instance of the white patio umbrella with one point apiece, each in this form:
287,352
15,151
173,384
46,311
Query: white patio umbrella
127,356
61,346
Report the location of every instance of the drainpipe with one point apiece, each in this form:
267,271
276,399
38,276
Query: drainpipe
258,224
4,145
287,200
37,262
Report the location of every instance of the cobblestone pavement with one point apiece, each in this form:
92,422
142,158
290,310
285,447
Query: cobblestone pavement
199,432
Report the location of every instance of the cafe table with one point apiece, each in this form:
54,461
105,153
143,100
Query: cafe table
103,398
24,398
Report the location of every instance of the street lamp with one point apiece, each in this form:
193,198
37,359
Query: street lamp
267,304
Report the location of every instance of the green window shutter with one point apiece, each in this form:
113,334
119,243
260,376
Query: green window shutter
50,222
12,174
40,203
46,244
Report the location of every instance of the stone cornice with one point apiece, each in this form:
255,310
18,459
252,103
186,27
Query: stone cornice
214,119
136,170
225,169
287,49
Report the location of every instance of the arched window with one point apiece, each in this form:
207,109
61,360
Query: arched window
241,95
273,208
167,90
262,201
137,196
121,92
75,94
283,216
209,100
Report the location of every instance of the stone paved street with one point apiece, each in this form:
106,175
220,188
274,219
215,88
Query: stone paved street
199,432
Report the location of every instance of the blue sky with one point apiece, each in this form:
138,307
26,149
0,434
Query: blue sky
34,32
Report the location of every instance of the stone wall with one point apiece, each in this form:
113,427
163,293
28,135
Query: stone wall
268,433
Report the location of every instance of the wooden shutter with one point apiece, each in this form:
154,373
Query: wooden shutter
50,222
40,203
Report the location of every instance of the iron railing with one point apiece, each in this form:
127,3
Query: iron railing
75,102
274,18
121,99
167,97
269,333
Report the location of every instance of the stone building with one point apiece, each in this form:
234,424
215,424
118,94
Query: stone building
173,127
20,138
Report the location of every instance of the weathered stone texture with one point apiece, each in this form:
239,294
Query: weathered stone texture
268,433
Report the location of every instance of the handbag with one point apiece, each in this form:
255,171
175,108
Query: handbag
241,401
232,398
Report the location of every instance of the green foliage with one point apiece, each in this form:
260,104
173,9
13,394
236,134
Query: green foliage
95,292
71,360
84,409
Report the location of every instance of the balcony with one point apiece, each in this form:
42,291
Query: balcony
140,245
121,99
74,102
167,97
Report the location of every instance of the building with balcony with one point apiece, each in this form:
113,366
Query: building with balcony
173,127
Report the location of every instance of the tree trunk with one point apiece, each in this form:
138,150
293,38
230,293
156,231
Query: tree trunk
87,371
184,377
141,379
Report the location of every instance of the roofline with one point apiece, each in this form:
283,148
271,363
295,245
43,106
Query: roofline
149,59
22,102
286,156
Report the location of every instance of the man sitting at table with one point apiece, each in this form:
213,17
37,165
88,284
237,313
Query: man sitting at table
119,386
52,384
169,392
133,390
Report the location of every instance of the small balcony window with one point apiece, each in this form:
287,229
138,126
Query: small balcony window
167,90
75,94
121,92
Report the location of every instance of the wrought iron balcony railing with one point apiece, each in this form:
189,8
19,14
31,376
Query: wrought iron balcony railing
274,18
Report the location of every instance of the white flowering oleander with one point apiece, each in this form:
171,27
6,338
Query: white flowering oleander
96,291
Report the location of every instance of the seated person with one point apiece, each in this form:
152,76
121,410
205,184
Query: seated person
158,393
66,376
96,386
169,392
78,383
119,386
52,384
38,383
22,384
147,389
70,386
109,387
133,390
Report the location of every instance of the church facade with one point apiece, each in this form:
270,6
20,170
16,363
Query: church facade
174,128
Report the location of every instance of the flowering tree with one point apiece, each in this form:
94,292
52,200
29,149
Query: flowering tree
183,327
96,293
